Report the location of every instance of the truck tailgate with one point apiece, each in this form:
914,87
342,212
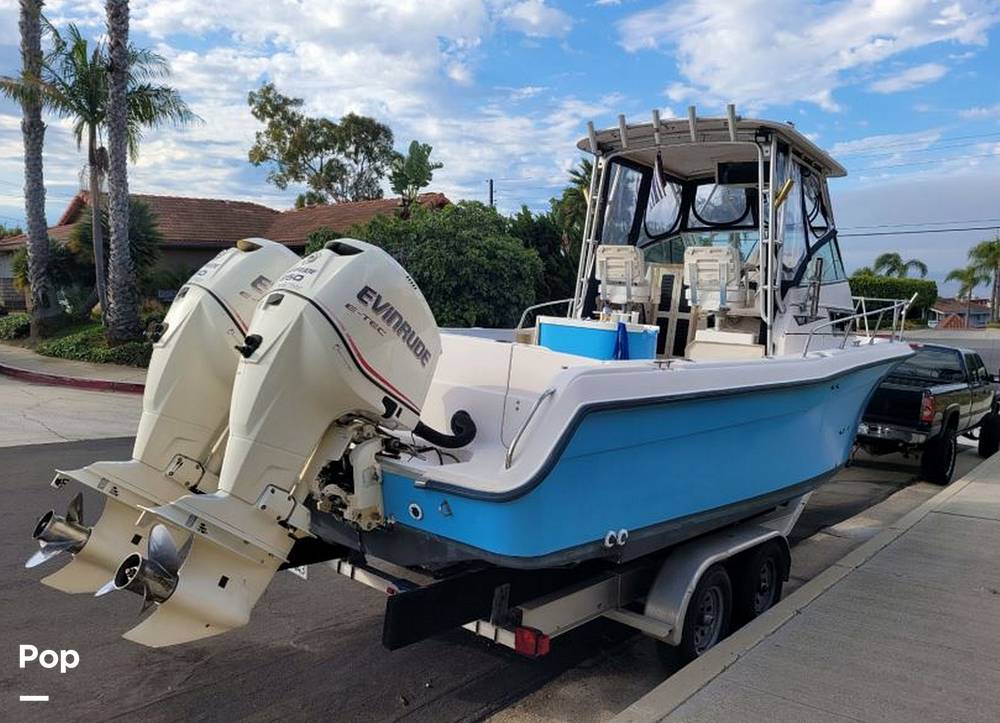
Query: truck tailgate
896,403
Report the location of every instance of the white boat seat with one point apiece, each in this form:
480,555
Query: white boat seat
712,275
623,277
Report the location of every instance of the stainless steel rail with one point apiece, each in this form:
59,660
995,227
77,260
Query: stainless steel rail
517,437
535,307
898,310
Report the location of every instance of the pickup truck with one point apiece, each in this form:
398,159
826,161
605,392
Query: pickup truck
926,402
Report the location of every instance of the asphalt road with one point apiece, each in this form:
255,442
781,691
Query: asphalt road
312,649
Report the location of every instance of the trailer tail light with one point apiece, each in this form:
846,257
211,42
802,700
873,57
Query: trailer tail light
530,642
927,408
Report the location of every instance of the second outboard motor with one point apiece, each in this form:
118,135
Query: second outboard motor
185,408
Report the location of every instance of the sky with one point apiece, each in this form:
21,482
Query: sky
905,93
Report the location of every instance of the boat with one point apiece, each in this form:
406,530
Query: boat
711,366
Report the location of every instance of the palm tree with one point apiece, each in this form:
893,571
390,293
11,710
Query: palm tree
73,83
985,255
122,315
968,279
892,264
43,306
572,205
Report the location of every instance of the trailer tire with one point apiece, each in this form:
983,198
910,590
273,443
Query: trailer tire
938,461
707,618
989,435
759,581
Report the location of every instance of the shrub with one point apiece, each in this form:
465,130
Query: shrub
470,269
888,287
319,238
89,345
15,326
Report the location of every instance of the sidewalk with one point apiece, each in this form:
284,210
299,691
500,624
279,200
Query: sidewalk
903,628
24,364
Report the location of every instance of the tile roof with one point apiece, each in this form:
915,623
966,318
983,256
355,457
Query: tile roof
211,222
958,306
292,227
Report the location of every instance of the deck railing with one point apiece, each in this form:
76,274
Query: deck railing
859,323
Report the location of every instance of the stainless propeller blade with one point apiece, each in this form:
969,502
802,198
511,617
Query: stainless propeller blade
74,512
57,534
155,576
107,587
162,550
46,552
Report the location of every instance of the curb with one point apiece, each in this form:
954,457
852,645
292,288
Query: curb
663,700
103,385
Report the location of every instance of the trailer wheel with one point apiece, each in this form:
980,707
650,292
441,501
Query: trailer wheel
989,435
707,618
938,461
759,582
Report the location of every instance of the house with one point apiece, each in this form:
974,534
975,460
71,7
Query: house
959,314
196,229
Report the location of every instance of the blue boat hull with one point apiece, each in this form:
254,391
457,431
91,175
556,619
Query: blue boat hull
665,470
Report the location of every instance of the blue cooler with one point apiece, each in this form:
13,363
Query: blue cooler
596,339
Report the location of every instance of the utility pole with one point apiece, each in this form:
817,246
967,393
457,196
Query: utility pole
491,193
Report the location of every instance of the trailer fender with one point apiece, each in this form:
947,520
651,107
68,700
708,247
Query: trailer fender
678,576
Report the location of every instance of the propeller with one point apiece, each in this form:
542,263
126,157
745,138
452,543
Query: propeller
155,576
56,534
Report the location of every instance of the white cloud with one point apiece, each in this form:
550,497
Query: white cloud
535,18
910,78
981,111
768,52
410,64
525,92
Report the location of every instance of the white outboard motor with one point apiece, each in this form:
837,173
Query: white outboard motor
184,417
342,344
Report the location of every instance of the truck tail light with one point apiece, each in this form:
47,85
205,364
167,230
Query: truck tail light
927,408
531,642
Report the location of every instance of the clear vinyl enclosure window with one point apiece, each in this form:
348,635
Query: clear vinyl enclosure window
664,207
716,205
793,229
622,199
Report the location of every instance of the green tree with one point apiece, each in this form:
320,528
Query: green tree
892,264
8,231
365,148
72,263
468,266
343,161
310,198
543,233
73,84
319,238
121,317
985,256
23,89
412,172
968,278
572,205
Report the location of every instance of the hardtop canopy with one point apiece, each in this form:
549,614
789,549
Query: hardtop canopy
693,146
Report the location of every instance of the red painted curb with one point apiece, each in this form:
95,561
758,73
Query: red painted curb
104,385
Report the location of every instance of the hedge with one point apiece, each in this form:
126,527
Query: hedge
88,344
890,287
15,326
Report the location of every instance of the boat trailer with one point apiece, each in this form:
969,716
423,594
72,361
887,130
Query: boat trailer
726,578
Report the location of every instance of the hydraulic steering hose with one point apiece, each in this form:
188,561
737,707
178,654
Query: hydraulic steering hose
462,426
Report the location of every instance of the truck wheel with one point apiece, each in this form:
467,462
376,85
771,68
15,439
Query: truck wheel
938,461
989,435
706,620
759,583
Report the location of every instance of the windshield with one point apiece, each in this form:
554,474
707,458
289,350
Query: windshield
671,250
